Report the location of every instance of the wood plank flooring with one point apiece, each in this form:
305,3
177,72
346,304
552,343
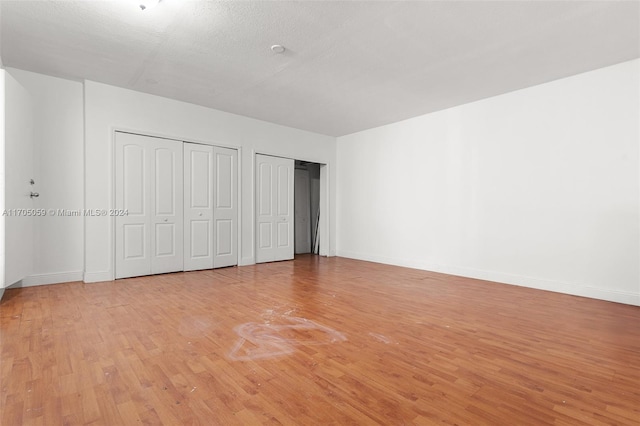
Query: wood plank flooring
315,341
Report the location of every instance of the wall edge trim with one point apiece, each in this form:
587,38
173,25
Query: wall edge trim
574,289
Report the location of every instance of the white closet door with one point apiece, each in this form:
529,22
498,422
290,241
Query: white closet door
198,207
274,208
133,194
167,212
149,185
225,212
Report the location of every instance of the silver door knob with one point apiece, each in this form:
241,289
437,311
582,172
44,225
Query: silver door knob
34,195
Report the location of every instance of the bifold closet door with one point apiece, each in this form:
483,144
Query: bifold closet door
211,207
225,207
198,207
274,208
149,187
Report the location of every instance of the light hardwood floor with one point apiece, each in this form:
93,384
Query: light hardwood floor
315,341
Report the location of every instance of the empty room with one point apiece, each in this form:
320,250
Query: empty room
319,212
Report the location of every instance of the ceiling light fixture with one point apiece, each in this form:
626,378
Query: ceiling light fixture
277,48
147,4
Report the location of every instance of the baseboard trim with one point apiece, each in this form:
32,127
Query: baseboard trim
95,277
46,279
505,278
1,294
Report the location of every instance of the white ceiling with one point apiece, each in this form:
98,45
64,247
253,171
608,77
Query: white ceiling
348,66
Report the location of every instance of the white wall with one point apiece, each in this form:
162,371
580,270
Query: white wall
2,112
57,107
2,179
108,108
18,170
538,187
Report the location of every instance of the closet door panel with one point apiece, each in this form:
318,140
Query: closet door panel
225,214
274,210
133,194
167,215
198,207
148,186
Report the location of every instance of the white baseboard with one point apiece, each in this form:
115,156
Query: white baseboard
627,298
94,277
45,279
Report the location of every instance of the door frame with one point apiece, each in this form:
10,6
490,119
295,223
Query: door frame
112,183
306,202
324,208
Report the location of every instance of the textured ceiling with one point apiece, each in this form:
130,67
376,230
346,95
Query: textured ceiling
348,66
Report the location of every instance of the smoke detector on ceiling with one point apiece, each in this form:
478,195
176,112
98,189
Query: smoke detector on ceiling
277,48
147,4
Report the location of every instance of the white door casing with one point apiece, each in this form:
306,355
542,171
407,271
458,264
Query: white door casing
302,205
274,208
149,187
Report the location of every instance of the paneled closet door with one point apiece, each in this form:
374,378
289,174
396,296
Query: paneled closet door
198,207
274,208
167,207
148,186
211,207
225,213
